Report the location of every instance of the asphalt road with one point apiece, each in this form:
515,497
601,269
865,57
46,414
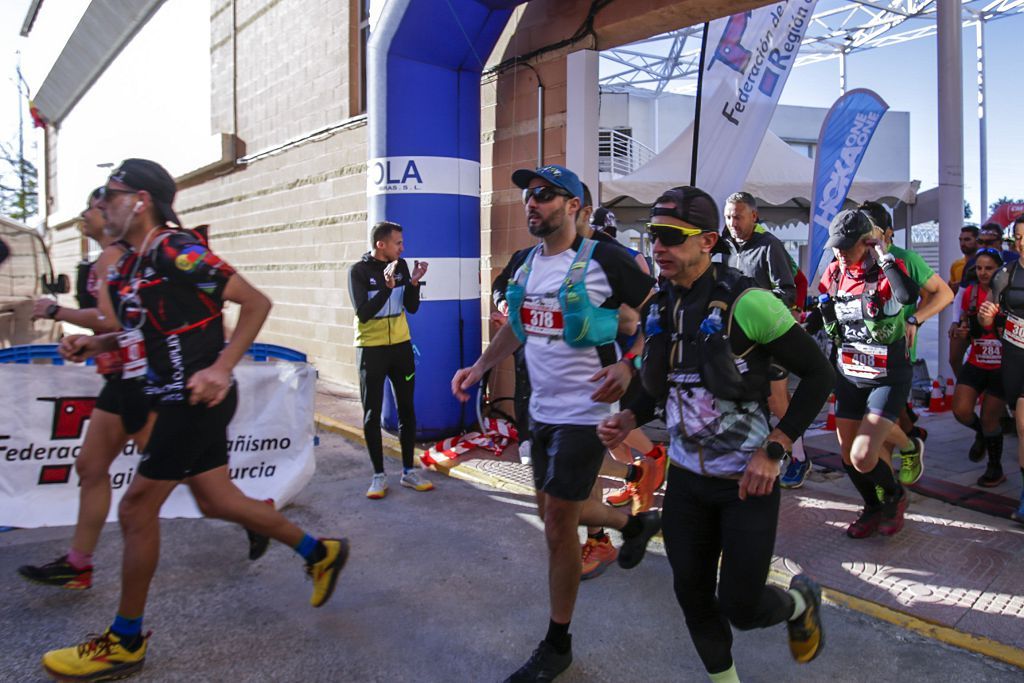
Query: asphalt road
445,586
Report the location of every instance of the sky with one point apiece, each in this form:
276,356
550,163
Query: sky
904,75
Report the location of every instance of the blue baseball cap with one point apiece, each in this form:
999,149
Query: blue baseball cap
552,173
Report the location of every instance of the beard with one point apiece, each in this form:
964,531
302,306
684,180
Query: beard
543,227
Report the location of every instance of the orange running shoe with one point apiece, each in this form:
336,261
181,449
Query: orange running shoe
653,477
623,496
597,555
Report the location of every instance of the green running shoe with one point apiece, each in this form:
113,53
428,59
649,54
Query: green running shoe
912,464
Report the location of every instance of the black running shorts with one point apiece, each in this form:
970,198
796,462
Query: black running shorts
188,440
1013,373
853,402
983,381
566,459
126,398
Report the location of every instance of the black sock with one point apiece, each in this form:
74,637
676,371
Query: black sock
633,527
975,424
882,475
864,487
915,432
558,636
633,473
598,535
319,553
994,446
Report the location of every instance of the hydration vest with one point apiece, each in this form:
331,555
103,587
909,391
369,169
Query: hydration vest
730,366
883,328
584,325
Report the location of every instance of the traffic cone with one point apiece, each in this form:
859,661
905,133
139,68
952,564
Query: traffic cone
947,400
830,422
937,404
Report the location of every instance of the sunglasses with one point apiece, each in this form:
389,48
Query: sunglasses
544,193
109,192
670,235
989,251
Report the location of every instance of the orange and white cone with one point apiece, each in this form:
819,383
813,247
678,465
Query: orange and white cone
947,400
937,404
830,422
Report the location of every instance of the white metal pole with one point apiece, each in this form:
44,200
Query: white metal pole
842,72
982,134
951,154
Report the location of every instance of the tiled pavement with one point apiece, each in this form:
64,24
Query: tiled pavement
950,567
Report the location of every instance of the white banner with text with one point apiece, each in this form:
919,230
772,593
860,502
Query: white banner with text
45,415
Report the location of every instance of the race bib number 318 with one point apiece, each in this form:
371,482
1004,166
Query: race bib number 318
542,319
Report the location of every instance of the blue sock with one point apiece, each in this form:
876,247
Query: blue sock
127,629
407,470
307,548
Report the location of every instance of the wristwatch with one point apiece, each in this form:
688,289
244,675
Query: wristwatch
775,450
912,320
629,358
51,311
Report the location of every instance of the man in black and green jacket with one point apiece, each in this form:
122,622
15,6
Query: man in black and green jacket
382,290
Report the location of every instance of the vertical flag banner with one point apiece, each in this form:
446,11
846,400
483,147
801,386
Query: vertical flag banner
844,138
748,61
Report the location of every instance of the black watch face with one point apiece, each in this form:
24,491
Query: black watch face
775,450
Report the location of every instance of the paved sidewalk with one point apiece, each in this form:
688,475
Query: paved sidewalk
953,573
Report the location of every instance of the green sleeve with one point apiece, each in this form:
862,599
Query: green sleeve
761,316
917,268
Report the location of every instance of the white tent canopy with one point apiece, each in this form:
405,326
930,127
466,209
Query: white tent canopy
779,175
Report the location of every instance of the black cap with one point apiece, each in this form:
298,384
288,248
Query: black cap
603,218
143,174
846,229
693,205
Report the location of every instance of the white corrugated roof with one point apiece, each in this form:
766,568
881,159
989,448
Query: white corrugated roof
106,27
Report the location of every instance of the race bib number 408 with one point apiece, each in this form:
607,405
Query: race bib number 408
865,361
542,319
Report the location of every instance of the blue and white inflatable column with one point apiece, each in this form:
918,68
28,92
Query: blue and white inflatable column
424,63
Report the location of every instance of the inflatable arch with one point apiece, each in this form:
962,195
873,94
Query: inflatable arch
424,63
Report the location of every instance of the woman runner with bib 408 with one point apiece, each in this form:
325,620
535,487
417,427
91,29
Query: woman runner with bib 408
862,295
981,374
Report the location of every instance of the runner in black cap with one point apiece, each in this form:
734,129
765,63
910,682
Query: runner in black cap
865,290
121,414
711,335
167,294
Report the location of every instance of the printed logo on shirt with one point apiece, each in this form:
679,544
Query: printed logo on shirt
190,257
373,281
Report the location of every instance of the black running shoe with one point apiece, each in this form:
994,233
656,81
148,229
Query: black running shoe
806,635
544,665
258,544
58,573
993,476
632,550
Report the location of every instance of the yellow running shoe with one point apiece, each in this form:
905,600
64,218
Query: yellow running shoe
101,658
325,572
806,635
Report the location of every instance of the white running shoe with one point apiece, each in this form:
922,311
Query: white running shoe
378,486
412,480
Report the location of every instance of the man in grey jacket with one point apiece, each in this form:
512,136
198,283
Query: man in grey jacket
760,255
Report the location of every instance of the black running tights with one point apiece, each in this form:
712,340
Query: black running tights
703,520
394,362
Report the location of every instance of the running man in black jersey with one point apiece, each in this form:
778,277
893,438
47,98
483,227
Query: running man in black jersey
120,414
722,500
167,294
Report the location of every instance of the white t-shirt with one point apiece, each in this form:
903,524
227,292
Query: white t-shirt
560,374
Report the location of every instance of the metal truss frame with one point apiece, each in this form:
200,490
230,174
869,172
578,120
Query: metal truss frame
669,62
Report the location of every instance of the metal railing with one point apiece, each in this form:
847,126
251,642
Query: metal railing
620,154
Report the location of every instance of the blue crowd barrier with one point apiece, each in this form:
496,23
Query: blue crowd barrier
28,353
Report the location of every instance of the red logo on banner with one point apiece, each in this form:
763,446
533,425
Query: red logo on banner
55,474
69,415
